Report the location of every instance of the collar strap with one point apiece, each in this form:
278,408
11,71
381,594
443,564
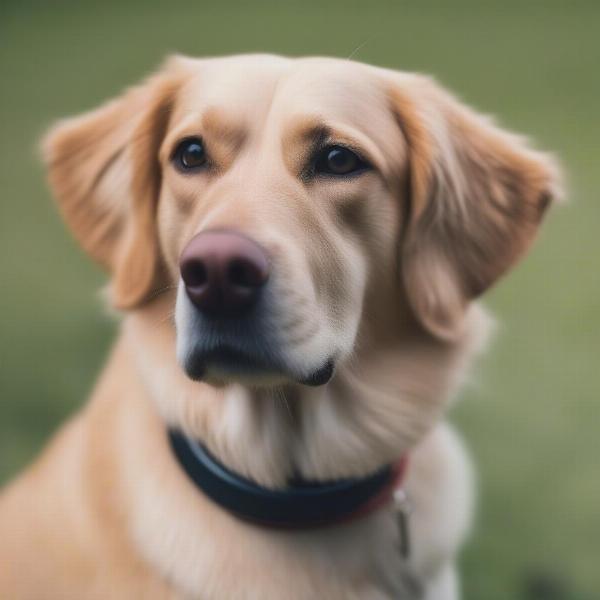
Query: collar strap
301,505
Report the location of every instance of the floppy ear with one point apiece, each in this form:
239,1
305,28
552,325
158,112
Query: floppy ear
104,170
477,196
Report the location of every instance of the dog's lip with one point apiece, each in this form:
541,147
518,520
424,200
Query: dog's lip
231,363
225,359
321,376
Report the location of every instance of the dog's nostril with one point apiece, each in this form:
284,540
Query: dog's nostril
194,274
244,274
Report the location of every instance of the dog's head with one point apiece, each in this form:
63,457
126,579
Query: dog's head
309,213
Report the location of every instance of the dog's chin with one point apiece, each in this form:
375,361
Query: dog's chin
227,366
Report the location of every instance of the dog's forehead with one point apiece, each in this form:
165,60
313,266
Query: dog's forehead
252,88
238,85
334,90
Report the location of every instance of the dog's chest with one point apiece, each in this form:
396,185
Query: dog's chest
211,555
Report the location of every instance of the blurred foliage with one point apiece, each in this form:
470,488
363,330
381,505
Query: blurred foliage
532,414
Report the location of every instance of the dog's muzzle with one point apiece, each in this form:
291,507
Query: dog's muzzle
231,334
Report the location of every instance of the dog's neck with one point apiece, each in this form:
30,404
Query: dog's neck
197,545
371,413
300,505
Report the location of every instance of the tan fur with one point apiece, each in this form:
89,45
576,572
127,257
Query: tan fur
379,270
478,196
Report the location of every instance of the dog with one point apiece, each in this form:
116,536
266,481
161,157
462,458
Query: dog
297,248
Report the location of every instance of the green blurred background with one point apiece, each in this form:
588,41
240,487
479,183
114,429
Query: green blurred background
532,414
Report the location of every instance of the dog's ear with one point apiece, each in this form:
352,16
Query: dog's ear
476,197
104,170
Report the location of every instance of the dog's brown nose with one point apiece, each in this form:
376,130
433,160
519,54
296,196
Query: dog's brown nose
223,272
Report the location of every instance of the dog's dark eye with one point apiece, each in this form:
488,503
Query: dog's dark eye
338,160
190,154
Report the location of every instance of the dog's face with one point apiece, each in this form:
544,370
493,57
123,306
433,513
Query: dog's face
306,211
269,174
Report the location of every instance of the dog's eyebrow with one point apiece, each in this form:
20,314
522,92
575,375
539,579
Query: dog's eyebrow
315,133
224,133
311,133
216,123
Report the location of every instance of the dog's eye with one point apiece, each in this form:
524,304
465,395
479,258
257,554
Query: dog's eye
338,160
190,154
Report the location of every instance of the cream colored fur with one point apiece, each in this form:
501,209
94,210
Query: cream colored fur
381,271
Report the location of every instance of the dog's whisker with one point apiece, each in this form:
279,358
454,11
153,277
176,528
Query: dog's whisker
280,394
169,316
358,48
160,291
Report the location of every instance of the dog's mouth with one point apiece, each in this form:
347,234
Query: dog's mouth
225,363
247,348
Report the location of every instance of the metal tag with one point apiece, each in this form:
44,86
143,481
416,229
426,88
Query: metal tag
403,509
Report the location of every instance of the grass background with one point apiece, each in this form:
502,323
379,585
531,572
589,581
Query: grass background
532,418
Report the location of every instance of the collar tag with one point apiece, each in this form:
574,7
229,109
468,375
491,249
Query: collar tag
403,509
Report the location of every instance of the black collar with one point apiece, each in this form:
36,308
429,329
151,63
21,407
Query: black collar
302,504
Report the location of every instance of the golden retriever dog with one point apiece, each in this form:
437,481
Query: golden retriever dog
296,247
